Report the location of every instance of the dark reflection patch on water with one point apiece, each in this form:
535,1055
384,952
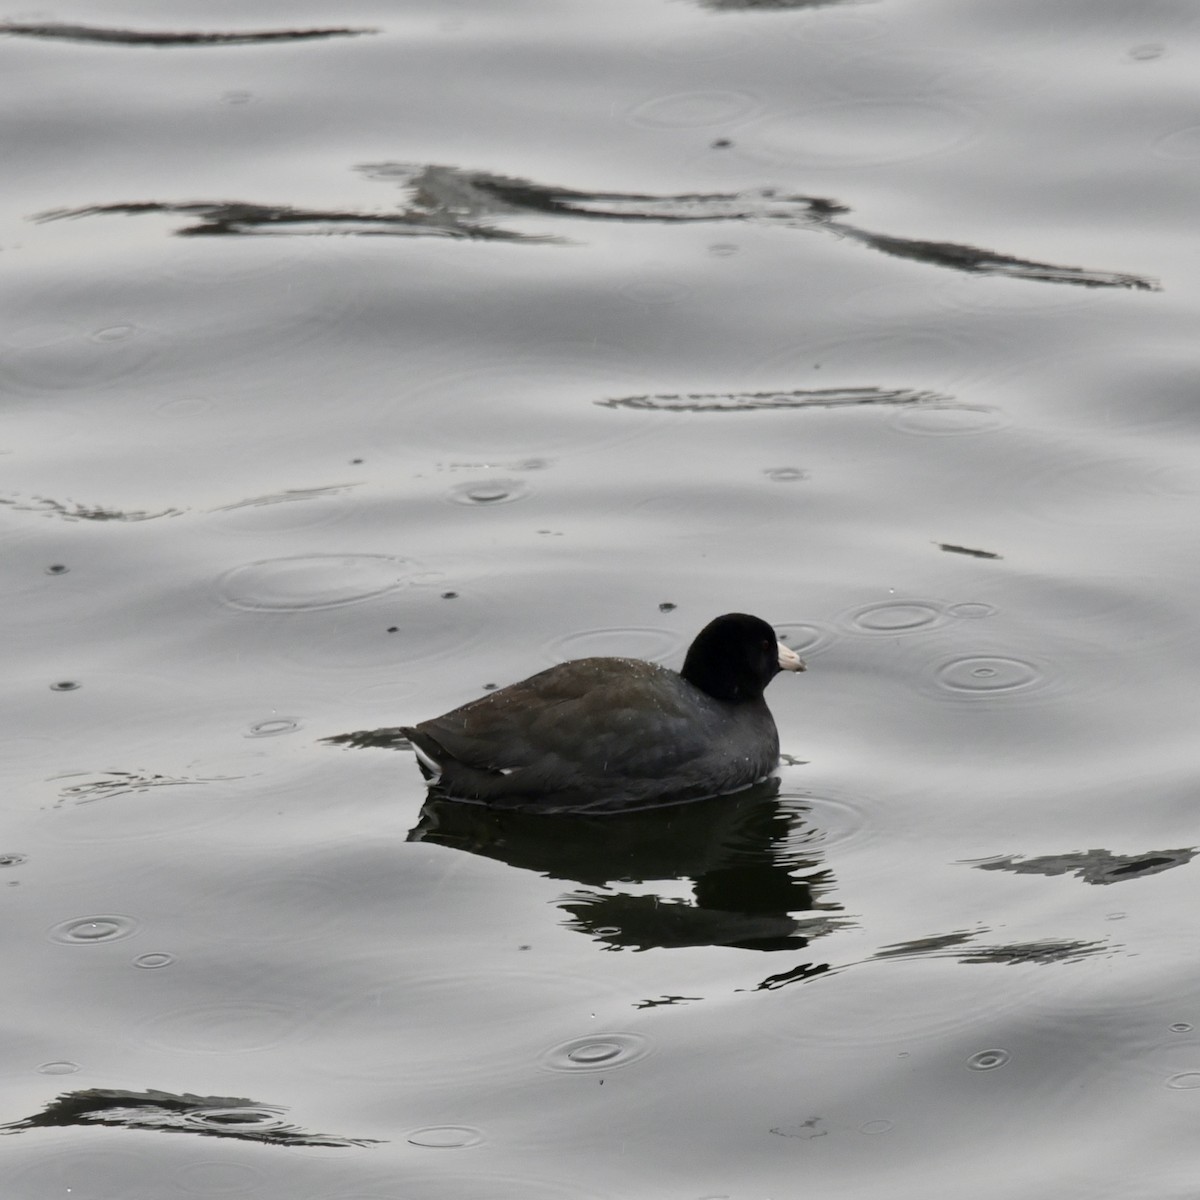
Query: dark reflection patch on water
208,1116
851,397
961,947
951,548
454,202
756,884
388,738
622,921
106,784
240,218
58,31
801,974
288,496
72,510
764,5
1093,866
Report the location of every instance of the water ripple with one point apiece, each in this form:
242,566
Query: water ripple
597,1052
618,641
88,931
314,581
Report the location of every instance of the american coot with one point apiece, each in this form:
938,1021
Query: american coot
617,733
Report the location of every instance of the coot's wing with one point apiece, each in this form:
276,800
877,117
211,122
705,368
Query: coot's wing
592,714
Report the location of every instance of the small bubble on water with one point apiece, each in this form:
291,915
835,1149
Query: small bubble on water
721,143
1181,1027
12,859
65,685
57,569
667,606
449,595
393,629
489,687
1147,52
988,1060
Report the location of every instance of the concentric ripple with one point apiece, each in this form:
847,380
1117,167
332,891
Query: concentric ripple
619,641
988,1060
154,961
274,727
597,1052
693,110
824,821
860,133
60,1066
445,1137
249,1118
804,637
1185,1081
234,1028
89,931
948,422
971,610
489,492
890,618
988,675
313,581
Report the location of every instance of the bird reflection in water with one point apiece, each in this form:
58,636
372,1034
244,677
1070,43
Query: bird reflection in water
754,883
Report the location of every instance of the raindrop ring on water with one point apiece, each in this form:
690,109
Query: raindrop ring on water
597,1052
445,1137
61,1066
88,931
893,617
988,675
273,728
313,581
988,1060
152,962
489,492
235,1118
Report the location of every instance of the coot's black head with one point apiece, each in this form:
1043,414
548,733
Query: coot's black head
734,658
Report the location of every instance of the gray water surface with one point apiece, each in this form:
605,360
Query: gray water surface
357,359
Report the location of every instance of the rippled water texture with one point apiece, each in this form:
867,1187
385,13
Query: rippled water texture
361,359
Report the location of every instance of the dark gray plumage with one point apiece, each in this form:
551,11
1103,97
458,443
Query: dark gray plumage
617,732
